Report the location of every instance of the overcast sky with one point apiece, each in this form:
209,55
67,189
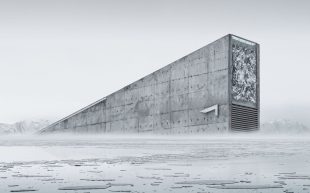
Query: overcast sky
57,56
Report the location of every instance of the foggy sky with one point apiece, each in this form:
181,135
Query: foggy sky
57,56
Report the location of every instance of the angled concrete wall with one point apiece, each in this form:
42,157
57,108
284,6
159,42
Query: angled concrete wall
166,101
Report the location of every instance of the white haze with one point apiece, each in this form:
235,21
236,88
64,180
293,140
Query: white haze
59,56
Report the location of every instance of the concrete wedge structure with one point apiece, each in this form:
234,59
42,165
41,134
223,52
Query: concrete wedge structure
213,89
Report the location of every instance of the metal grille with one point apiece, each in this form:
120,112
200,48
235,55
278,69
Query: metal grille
244,118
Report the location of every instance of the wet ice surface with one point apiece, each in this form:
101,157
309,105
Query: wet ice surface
94,164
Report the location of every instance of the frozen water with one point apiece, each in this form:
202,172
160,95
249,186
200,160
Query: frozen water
157,164
24,190
209,182
247,186
93,187
92,179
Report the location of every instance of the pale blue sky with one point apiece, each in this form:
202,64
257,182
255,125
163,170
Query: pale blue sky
57,56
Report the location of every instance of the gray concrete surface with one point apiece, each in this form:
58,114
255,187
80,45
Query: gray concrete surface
168,101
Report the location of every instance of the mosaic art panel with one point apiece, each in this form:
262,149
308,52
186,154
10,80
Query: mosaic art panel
243,73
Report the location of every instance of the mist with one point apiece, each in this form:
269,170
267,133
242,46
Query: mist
59,56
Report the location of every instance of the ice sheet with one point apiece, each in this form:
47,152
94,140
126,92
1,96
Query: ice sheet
155,165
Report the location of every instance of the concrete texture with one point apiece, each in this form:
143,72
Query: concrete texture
167,101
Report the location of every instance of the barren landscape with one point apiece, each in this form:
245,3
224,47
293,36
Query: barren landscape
154,164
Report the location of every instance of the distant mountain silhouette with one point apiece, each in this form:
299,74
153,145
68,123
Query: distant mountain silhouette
284,126
23,127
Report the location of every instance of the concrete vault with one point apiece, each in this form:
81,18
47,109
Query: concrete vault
213,89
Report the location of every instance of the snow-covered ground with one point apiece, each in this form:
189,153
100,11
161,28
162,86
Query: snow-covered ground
154,164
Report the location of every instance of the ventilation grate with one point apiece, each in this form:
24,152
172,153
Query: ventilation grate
244,118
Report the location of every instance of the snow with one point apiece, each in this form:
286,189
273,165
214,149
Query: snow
155,164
